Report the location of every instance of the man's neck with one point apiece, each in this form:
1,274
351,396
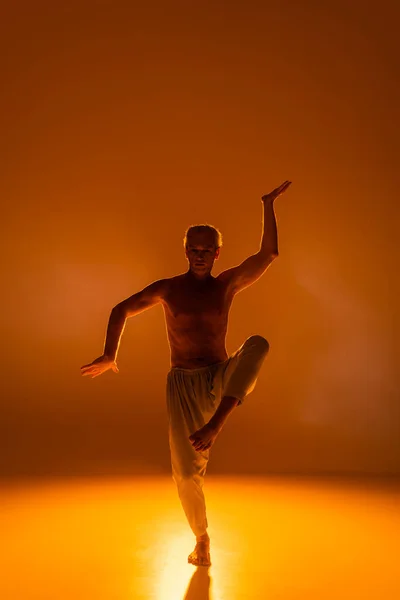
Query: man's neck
190,276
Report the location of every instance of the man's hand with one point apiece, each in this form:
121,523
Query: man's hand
276,192
99,365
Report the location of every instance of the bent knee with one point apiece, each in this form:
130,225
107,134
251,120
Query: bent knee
260,341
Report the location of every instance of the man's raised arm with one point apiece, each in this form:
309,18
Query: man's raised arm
139,302
254,266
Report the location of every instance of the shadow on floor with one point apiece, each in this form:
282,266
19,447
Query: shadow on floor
199,585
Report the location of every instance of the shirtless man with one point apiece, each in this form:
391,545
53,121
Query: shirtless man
204,384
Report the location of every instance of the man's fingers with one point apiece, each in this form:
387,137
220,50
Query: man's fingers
282,187
277,191
94,372
87,371
89,367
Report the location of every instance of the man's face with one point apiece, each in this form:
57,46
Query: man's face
201,252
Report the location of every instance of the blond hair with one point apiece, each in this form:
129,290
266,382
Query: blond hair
204,227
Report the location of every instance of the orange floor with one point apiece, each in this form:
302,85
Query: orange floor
271,538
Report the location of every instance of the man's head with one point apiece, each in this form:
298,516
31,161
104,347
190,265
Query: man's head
202,246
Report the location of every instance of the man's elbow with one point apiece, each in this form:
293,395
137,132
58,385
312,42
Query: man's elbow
120,310
268,256
272,252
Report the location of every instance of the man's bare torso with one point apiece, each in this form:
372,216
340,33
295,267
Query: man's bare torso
196,316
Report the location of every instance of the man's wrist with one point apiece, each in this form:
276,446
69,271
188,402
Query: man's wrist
267,200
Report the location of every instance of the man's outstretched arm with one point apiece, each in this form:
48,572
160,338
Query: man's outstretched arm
254,266
139,302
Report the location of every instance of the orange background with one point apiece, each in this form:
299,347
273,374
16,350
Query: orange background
121,125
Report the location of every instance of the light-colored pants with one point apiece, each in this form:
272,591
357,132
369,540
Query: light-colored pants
193,396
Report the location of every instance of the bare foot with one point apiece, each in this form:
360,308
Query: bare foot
203,438
201,554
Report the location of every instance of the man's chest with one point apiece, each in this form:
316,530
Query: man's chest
206,304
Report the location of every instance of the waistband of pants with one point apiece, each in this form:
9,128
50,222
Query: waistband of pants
198,369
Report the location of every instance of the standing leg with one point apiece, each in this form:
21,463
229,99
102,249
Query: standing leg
188,471
187,411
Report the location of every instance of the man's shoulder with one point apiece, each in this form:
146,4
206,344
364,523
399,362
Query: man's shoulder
168,283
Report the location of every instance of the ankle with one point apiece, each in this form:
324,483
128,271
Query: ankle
202,538
215,424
